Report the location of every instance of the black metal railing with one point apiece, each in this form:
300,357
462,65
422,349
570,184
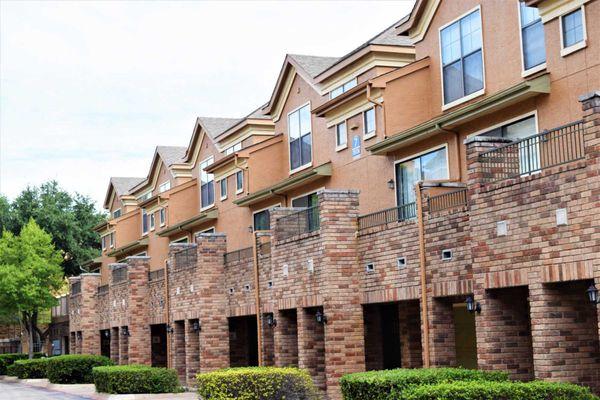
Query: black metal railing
156,275
119,275
103,289
76,288
394,214
299,222
532,154
186,258
238,255
444,201
61,309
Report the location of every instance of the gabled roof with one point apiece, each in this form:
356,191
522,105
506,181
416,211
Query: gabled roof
171,154
122,186
313,65
215,126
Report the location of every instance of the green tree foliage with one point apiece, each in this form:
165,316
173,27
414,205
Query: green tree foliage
30,275
69,219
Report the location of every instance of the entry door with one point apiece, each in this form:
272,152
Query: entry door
158,334
464,336
105,343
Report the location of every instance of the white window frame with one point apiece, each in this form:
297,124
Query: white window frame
143,211
340,147
103,241
152,221
474,94
161,187
369,135
507,122
238,189
183,239
355,80
537,68
312,137
162,216
233,148
113,213
145,196
212,160
270,208
223,196
306,194
565,51
112,240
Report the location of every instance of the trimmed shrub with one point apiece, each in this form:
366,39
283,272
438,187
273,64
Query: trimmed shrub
380,385
498,390
29,369
10,358
74,368
135,379
256,383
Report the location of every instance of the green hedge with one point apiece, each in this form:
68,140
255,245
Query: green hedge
497,391
10,358
74,368
29,369
135,379
256,383
382,385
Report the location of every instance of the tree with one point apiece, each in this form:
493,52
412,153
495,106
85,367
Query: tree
30,275
69,219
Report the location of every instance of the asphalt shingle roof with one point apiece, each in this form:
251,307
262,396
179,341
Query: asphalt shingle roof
314,65
215,126
171,154
122,185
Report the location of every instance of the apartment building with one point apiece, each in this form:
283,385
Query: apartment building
427,199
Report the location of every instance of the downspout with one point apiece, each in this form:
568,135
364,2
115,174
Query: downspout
167,313
422,261
259,332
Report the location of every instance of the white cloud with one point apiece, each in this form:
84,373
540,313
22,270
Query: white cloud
88,89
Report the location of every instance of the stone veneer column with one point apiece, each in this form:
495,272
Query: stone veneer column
139,343
344,332
89,326
214,346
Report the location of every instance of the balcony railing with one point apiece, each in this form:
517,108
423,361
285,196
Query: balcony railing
299,222
156,275
76,288
119,275
394,214
237,255
444,201
103,289
535,153
61,309
186,258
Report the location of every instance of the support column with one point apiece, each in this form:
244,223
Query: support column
192,352
90,333
311,346
268,351
285,337
214,346
114,345
409,320
139,313
442,344
123,346
179,349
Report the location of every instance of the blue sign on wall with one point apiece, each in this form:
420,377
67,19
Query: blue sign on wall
356,145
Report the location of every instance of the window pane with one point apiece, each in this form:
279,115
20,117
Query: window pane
305,120
336,92
223,187
473,65
306,149
520,129
534,48
470,29
294,125
572,28
295,154
408,174
350,84
453,82
451,43
261,221
370,121
528,14
434,165
239,180
341,136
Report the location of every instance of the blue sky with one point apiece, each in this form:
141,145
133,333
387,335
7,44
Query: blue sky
88,89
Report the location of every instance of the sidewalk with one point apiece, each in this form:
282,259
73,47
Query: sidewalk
88,391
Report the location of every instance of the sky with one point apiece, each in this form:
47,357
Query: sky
89,89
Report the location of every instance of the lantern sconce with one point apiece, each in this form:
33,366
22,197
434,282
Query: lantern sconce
592,294
106,333
170,329
271,321
391,184
125,331
321,318
473,306
196,327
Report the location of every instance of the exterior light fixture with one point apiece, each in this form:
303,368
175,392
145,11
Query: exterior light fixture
125,331
473,306
170,329
592,294
271,321
107,334
250,228
321,318
196,327
391,184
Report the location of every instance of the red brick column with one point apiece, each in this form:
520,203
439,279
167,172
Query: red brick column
139,313
285,336
590,104
409,320
123,347
192,352
344,332
311,346
90,341
268,353
442,344
214,346
178,349
114,345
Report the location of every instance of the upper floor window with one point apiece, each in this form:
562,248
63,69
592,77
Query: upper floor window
145,196
572,28
103,242
299,132
262,220
369,123
343,88
429,166
117,213
162,216
207,187
164,186
112,240
144,222
239,181
152,221
233,149
223,184
462,58
532,37
341,136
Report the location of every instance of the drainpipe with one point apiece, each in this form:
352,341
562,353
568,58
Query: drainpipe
167,313
422,260
259,333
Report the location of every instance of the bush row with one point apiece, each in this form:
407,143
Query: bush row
29,369
135,379
256,383
10,358
74,368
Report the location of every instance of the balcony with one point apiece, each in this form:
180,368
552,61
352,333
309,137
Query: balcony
298,223
400,213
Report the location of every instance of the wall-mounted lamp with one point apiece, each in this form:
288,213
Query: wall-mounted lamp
271,321
473,306
196,327
125,331
321,318
107,334
250,228
170,329
391,184
592,294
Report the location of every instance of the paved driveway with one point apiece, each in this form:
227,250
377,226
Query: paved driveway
17,391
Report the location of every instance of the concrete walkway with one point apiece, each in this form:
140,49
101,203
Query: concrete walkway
40,389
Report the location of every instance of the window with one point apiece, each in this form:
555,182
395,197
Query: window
262,220
308,201
144,222
239,181
207,187
532,37
152,221
117,213
233,149
462,59
343,88
223,184
429,166
103,242
164,186
299,132
573,31
209,230
162,216
112,240
181,240
145,196
341,136
369,123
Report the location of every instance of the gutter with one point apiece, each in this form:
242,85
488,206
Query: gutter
423,276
